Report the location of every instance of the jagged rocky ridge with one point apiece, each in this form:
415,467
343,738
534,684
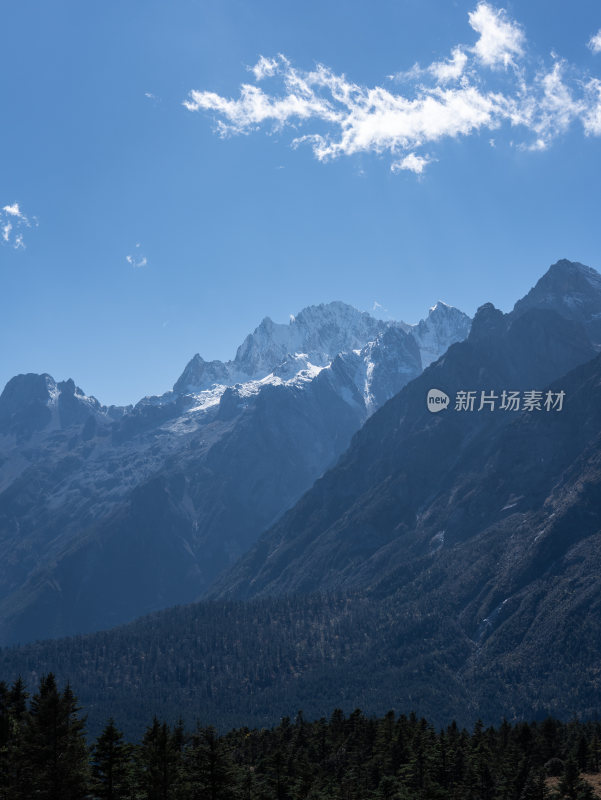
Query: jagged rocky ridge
107,513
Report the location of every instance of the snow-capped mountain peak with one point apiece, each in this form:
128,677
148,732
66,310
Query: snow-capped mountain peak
200,375
443,326
314,336
439,306
320,331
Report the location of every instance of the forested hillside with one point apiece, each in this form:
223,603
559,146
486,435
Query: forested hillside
43,753
234,663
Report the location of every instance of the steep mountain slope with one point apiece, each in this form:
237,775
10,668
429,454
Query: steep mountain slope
379,497
573,290
107,513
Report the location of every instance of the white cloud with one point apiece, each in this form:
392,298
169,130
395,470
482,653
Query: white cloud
12,224
255,107
367,119
558,106
551,107
452,69
501,39
265,67
591,118
412,163
449,98
13,211
595,42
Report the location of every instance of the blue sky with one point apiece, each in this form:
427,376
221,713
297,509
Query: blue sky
442,151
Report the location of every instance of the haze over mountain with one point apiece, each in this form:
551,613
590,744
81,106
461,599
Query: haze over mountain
107,513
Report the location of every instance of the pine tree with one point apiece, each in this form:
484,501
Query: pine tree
534,787
17,699
13,707
111,764
53,748
389,788
595,752
158,762
582,753
208,771
569,785
6,723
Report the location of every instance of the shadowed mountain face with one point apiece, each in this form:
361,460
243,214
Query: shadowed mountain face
107,513
382,500
33,403
571,289
487,522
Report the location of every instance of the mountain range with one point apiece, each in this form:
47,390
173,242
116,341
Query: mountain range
107,513
448,562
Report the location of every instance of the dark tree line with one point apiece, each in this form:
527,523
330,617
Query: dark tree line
44,754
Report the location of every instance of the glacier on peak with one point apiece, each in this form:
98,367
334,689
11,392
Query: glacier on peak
313,338
319,331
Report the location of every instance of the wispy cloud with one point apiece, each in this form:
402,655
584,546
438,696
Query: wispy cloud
136,259
487,85
595,42
13,223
